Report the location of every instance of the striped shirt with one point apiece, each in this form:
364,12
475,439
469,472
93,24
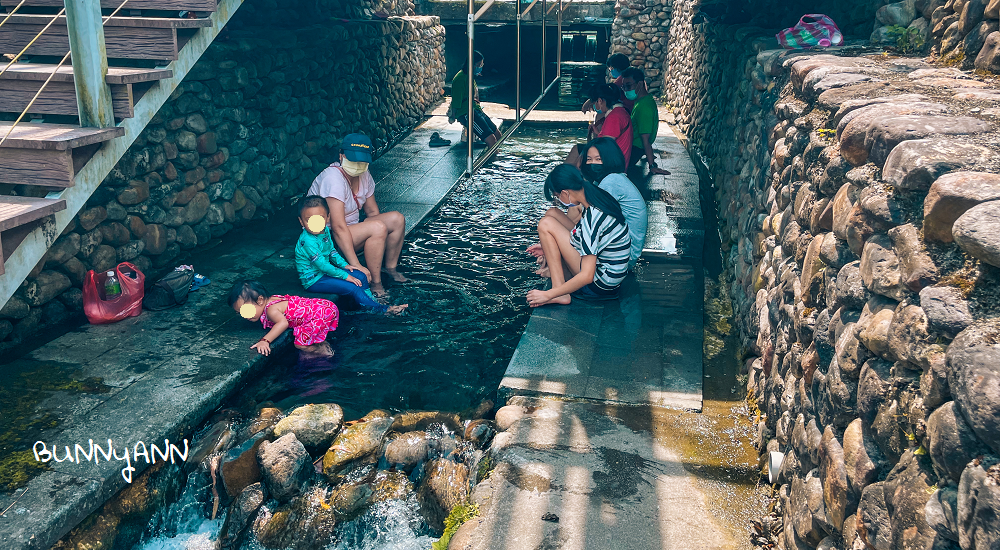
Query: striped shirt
599,234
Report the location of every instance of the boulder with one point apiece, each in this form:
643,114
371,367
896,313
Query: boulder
977,232
407,450
952,195
946,309
941,513
989,56
64,248
862,460
850,288
951,442
914,165
15,308
421,420
880,268
978,502
909,339
887,133
916,268
285,465
445,485
507,415
873,387
897,13
391,486
974,378
854,128
307,523
242,510
907,490
314,425
354,442
971,15
348,499
44,288
239,466
874,527
833,474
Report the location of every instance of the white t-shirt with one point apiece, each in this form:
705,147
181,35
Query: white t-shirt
332,183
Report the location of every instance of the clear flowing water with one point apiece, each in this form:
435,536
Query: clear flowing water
469,274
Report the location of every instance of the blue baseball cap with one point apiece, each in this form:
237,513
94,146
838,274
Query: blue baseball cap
357,148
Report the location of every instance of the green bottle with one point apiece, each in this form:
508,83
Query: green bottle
112,287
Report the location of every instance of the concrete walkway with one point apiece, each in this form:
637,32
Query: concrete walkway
157,376
646,347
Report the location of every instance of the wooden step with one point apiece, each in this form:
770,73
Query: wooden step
162,5
124,37
17,217
20,83
48,154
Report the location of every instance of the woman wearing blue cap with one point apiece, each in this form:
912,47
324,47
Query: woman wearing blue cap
348,187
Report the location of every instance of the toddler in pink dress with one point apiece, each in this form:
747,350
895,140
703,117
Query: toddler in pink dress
310,319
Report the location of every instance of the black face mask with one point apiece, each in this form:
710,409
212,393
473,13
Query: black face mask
593,172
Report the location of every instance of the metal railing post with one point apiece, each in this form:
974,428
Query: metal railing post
517,91
471,76
90,62
559,41
543,45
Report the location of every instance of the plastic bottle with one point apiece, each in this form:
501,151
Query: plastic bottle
112,287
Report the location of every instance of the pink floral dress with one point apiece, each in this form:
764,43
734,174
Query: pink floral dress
311,319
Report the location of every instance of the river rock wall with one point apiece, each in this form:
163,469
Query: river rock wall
639,30
253,123
965,33
859,217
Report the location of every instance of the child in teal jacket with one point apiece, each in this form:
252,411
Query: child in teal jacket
321,268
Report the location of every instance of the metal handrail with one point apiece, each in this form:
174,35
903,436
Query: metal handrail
54,70
472,164
12,12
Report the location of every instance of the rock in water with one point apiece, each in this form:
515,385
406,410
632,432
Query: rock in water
239,466
407,450
313,425
242,509
421,420
975,379
391,486
354,442
306,523
445,485
349,499
285,465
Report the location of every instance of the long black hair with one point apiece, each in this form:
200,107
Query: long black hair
611,155
618,62
566,176
476,58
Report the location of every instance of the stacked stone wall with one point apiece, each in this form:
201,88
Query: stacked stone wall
859,204
253,123
639,30
965,33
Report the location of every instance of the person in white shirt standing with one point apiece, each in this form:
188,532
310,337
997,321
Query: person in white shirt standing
349,188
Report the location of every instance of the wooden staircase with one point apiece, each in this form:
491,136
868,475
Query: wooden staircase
49,168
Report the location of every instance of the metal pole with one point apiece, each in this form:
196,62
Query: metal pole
90,62
517,92
559,41
472,72
543,45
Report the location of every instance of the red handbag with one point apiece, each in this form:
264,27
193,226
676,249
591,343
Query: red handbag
127,304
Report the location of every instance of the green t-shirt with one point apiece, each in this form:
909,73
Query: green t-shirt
459,94
645,120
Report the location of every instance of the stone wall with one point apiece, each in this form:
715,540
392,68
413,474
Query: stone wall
639,30
858,212
256,119
965,33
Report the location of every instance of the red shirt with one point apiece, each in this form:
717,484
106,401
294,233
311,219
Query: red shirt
618,125
626,102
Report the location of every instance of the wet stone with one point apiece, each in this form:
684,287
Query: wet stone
285,465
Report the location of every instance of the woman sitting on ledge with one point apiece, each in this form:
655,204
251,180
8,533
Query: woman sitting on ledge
595,251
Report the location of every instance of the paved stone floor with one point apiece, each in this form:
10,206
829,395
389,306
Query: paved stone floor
161,373
646,347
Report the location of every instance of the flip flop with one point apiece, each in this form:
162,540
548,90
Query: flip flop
437,141
199,281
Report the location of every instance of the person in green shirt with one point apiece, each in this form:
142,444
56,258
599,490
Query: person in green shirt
645,118
482,126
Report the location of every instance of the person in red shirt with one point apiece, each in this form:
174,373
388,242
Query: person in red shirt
617,122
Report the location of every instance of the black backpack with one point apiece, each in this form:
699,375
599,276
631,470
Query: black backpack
170,291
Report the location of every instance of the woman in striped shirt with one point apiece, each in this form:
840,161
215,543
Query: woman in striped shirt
595,251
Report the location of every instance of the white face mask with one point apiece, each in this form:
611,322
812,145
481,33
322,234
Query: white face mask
354,169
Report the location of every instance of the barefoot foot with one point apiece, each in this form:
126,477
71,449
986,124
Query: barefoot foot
564,300
395,275
543,272
321,349
396,310
377,289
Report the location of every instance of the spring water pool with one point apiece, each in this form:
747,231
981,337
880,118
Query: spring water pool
468,274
